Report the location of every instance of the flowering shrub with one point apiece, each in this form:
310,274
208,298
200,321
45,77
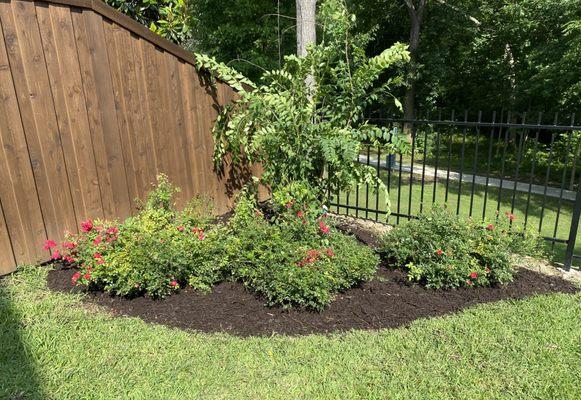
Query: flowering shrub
294,257
297,259
156,252
445,251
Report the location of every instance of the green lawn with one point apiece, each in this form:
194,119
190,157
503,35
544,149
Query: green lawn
521,200
53,347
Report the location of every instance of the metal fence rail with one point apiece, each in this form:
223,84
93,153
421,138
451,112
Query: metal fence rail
480,167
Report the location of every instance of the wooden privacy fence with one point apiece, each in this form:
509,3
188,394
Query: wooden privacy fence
92,107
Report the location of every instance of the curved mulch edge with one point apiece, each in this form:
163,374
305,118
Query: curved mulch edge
388,301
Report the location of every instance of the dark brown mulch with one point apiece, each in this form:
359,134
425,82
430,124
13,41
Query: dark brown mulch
386,302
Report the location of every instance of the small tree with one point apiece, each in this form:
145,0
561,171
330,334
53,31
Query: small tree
301,136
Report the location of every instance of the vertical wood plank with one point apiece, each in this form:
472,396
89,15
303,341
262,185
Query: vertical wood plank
60,53
180,134
100,102
7,261
122,107
192,128
25,53
148,157
155,111
18,189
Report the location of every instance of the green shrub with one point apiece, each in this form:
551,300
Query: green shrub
445,251
297,259
156,252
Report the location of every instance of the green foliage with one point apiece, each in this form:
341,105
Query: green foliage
445,251
156,252
313,133
246,34
293,257
297,260
168,18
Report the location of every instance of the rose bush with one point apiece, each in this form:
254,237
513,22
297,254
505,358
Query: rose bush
293,256
297,258
444,251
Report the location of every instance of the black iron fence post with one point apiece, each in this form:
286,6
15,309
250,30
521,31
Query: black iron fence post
574,227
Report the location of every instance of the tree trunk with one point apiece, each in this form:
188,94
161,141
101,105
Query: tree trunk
306,34
416,13
306,27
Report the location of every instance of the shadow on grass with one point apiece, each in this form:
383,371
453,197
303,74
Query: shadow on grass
18,377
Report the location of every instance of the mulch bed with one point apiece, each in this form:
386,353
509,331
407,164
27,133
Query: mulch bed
388,301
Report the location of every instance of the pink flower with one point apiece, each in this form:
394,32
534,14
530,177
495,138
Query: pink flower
56,255
490,227
68,259
324,228
181,228
87,226
87,276
112,231
173,283
201,235
98,256
111,239
97,241
300,213
474,275
49,244
510,216
75,277
439,252
69,245
330,252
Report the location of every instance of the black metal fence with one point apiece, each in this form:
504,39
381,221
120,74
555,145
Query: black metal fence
480,167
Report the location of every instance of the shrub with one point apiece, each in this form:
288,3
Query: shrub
156,252
296,259
444,251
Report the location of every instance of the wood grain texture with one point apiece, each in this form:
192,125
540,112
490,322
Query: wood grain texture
92,107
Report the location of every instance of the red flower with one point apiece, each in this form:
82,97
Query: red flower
96,256
87,226
49,244
469,282
474,275
112,231
173,283
490,227
87,276
68,259
197,230
439,252
300,213
330,252
75,277
201,236
56,255
69,245
510,216
97,241
324,228
181,228
111,239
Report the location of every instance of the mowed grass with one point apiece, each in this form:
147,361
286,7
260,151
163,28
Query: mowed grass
556,215
54,347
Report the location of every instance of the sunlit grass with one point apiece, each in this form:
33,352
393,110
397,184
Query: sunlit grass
54,347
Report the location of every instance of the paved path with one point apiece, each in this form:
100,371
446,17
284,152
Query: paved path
554,192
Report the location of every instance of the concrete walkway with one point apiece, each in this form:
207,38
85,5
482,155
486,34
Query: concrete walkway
478,179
